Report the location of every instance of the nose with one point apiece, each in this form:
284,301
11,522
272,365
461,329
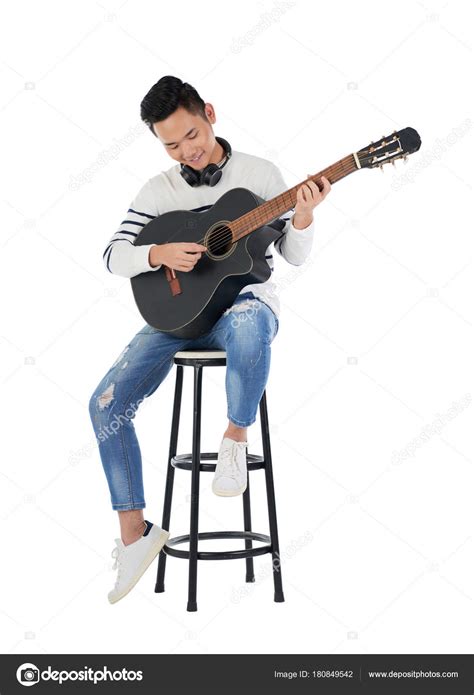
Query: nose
189,152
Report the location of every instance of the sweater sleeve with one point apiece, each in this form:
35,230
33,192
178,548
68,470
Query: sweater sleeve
121,257
295,244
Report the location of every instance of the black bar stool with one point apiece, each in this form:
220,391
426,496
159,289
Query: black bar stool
197,462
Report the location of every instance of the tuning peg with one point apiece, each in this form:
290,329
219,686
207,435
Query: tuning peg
393,162
405,157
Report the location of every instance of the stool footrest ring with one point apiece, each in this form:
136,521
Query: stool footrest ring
184,461
169,548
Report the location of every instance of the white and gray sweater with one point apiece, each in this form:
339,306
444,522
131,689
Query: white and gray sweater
169,191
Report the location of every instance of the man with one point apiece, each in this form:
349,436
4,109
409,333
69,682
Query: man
182,122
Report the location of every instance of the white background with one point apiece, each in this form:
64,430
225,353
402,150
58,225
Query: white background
370,388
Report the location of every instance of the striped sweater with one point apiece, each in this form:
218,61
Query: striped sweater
169,191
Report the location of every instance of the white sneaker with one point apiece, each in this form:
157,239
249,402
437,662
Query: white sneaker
230,478
132,560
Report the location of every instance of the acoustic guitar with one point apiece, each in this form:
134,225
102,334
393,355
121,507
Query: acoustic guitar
236,231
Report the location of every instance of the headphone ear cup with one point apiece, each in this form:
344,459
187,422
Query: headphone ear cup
191,176
211,175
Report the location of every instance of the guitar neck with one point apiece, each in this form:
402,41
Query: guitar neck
274,208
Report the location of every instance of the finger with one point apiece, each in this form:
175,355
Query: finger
310,194
314,189
191,246
326,183
305,193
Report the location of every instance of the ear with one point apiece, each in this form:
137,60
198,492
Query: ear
210,113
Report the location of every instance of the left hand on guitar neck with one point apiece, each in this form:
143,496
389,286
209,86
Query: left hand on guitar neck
307,197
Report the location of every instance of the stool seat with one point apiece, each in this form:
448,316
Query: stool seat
204,358
201,353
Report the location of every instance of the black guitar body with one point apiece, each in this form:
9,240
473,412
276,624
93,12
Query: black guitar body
218,276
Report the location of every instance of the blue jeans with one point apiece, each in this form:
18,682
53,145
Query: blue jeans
245,331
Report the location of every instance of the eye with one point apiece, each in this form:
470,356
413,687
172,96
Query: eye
191,137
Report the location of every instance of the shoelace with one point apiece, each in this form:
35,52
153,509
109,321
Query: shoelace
229,461
117,564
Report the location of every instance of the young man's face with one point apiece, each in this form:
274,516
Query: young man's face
187,136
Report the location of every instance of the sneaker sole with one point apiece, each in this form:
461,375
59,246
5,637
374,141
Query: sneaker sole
228,493
147,560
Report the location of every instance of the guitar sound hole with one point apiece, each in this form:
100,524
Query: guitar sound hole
219,241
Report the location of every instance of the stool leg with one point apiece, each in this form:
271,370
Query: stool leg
250,576
272,518
160,577
196,462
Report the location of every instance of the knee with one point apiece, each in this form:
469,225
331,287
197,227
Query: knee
252,324
100,403
109,403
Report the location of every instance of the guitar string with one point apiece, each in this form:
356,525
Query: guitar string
335,169
341,169
222,236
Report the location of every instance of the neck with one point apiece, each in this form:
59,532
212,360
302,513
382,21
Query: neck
218,154
274,208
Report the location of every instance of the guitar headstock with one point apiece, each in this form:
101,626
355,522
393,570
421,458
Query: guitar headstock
398,145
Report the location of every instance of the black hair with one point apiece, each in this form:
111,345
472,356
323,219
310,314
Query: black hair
167,95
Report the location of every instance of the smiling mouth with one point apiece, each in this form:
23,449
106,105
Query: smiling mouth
197,159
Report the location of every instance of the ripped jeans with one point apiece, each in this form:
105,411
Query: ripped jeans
245,331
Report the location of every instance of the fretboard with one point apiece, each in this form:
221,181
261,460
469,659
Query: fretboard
274,208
